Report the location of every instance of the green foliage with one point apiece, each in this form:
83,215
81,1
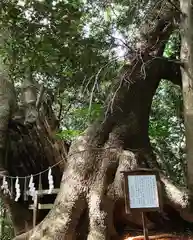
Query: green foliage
91,114
166,131
166,126
78,119
172,49
49,37
6,229
68,135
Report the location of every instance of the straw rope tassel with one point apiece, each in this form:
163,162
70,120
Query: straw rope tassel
17,188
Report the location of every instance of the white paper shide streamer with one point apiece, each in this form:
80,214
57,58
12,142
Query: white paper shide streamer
5,186
17,189
50,181
32,189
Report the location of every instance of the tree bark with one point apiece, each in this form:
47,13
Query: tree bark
187,81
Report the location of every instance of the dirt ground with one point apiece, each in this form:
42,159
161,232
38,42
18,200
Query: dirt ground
159,236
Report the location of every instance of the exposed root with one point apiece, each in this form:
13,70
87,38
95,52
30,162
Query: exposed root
97,217
177,198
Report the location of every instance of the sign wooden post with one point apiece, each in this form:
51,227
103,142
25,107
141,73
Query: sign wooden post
145,229
142,193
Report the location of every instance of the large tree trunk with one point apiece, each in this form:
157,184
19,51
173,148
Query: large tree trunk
26,149
91,189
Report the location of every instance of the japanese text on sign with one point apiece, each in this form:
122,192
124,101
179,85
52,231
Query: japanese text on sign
143,192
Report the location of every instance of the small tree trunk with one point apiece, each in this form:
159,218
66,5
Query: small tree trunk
187,82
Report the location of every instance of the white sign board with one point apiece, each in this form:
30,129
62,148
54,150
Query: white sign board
143,192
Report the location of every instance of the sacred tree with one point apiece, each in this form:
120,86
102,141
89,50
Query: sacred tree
90,203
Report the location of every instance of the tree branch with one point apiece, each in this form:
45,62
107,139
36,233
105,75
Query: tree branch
170,70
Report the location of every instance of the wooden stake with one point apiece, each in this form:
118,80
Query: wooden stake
11,188
40,184
145,230
25,190
35,210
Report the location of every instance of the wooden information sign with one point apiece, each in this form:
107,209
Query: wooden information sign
142,193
